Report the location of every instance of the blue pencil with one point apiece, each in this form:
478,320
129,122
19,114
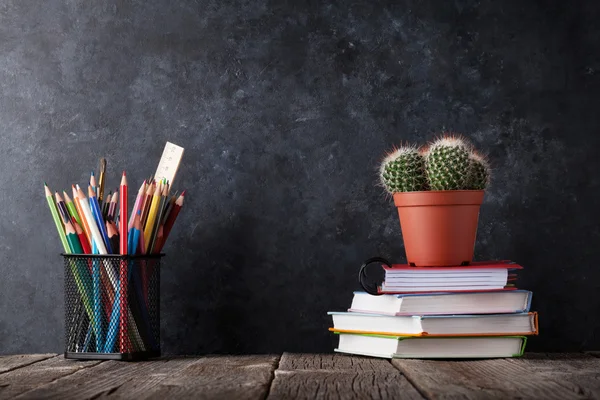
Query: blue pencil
113,326
132,240
95,207
97,301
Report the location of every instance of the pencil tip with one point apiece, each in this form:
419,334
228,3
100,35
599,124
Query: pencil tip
124,173
92,173
45,184
183,194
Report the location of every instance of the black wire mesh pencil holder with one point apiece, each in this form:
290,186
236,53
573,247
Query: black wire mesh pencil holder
112,306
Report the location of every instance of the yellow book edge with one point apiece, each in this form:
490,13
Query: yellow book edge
423,334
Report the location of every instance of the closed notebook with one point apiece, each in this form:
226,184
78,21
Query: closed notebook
492,302
479,276
451,347
436,325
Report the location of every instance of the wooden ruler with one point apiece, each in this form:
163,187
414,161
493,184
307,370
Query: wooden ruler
169,163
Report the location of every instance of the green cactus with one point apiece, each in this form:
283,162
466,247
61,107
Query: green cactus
447,164
404,171
479,172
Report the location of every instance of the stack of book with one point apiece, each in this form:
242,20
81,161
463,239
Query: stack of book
472,311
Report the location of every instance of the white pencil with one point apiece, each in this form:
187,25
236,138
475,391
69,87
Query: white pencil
85,207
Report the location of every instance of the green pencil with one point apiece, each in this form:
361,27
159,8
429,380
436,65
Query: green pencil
57,222
79,273
72,209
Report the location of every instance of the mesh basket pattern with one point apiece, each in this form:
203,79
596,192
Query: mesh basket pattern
112,306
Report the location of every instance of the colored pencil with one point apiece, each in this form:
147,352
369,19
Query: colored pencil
101,179
156,223
97,318
123,214
115,301
168,208
87,213
105,206
71,207
112,208
93,183
134,233
72,239
84,223
95,208
151,217
173,215
56,218
160,236
78,272
124,270
62,208
113,236
138,203
83,240
140,304
146,203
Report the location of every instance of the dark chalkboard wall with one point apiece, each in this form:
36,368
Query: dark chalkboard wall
285,109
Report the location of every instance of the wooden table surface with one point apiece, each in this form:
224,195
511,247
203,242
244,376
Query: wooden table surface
301,376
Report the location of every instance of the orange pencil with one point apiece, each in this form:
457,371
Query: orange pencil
84,221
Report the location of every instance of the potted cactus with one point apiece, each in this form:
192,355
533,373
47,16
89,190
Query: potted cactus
438,190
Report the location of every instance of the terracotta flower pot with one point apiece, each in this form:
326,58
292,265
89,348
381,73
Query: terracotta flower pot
439,227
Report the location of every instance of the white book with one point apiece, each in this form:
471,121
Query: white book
410,347
436,325
487,275
498,302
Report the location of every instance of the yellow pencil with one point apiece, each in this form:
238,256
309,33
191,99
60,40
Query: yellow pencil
152,216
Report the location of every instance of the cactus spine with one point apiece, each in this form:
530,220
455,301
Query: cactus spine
447,164
404,171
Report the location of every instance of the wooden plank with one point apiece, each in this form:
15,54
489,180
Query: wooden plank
145,385
223,377
231,377
21,380
106,379
310,376
536,376
8,363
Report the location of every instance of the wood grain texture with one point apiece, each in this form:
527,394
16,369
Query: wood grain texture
220,377
102,379
9,363
324,376
114,379
21,380
536,376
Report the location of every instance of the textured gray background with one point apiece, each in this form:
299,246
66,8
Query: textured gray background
285,109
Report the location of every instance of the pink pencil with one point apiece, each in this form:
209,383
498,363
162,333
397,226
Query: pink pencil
138,203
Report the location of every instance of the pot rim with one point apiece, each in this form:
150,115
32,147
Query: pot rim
438,198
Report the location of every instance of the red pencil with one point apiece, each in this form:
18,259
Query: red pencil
123,214
85,244
124,343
